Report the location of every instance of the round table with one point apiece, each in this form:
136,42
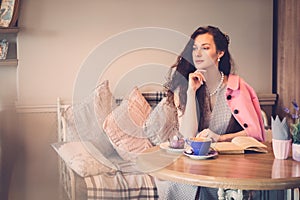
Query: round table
249,171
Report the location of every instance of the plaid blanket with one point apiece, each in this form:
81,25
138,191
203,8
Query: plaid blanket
121,185
153,98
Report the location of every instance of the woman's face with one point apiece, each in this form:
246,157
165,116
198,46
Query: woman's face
205,54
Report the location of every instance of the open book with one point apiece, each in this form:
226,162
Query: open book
239,145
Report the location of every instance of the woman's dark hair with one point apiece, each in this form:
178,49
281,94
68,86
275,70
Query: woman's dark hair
184,66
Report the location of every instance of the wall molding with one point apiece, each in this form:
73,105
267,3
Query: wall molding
265,99
37,109
51,108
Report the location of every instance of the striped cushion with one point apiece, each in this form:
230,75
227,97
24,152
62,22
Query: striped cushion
124,126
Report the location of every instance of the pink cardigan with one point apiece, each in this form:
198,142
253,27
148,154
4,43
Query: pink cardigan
244,105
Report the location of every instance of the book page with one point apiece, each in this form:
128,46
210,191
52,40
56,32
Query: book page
239,144
227,148
246,142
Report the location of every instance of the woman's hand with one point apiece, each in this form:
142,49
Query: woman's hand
196,79
209,134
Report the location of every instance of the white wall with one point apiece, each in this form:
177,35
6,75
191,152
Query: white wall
57,36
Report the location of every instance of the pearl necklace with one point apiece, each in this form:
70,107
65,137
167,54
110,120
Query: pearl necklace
220,84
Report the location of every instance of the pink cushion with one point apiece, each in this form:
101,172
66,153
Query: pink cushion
124,124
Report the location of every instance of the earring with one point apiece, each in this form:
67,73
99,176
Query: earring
218,59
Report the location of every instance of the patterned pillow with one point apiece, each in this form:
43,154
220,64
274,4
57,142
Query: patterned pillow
84,120
124,124
162,123
70,126
79,159
104,101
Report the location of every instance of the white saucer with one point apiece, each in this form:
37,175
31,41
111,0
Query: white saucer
166,146
211,154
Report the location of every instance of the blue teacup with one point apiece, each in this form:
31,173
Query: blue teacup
200,145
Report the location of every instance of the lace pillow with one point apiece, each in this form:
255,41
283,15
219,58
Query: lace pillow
124,124
162,123
70,126
76,156
84,120
104,101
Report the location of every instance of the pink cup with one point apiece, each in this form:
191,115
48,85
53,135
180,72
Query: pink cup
281,148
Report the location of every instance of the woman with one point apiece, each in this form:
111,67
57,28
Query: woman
213,102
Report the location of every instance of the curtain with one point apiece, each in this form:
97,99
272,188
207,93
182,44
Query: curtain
288,50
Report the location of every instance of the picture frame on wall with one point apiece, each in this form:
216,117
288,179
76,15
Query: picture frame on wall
9,12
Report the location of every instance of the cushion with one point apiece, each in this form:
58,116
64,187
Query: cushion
104,101
77,157
70,126
153,98
162,123
124,124
84,120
